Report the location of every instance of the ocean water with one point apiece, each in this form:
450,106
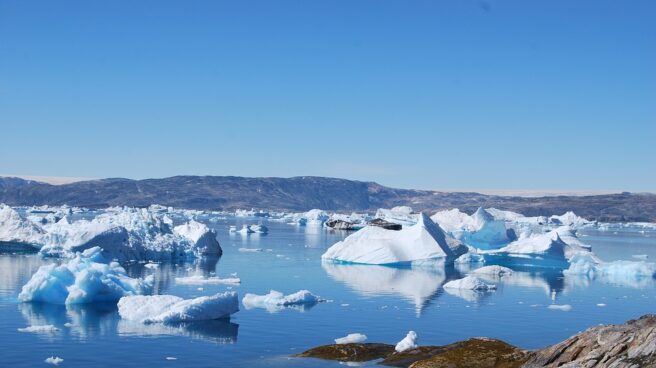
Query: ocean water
381,302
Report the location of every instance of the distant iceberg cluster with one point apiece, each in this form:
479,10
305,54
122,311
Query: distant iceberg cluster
122,233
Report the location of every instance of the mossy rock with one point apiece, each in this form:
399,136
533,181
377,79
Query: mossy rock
349,352
477,352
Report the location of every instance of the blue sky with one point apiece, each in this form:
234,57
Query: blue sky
425,94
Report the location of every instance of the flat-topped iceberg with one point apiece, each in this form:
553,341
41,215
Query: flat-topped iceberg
494,270
276,300
469,283
422,242
83,279
173,309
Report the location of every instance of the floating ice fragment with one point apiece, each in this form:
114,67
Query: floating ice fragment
172,309
39,329
352,338
54,360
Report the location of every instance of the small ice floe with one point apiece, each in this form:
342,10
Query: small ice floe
352,338
601,305
469,283
495,270
152,266
640,256
39,329
171,358
276,300
560,307
250,250
201,280
172,309
54,360
68,325
408,342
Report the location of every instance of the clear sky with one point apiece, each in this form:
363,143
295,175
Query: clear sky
462,94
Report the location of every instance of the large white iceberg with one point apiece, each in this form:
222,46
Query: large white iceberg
173,309
422,242
131,234
83,279
402,215
18,233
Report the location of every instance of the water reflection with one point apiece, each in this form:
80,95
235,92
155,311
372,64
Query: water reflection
16,270
219,331
418,286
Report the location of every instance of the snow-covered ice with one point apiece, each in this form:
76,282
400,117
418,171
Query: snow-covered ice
408,342
54,360
39,329
274,300
424,241
559,307
493,270
203,239
83,279
18,233
469,283
352,338
172,309
625,273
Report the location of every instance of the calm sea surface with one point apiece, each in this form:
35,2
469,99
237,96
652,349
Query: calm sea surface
381,302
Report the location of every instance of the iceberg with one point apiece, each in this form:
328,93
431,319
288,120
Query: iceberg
203,239
408,342
423,242
18,233
469,283
275,300
548,249
495,270
625,273
352,338
39,329
131,234
481,229
54,360
172,309
83,279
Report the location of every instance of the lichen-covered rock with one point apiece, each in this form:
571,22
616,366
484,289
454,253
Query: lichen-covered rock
632,344
476,352
349,352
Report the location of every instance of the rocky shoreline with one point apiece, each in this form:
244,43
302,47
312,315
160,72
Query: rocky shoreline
632,344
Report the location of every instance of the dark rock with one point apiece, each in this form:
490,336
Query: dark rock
340,225
349,352
632,344
385,224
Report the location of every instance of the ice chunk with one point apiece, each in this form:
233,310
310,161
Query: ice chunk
275,299
83,279
203,239
172,309
402,215
563,307
480,229
492,271
17,233
569,219
469,283
424,241
470,257
352,338
39,329
408,342
54,360
200,280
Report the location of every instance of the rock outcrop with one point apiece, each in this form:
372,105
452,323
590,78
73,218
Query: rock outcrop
629,345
